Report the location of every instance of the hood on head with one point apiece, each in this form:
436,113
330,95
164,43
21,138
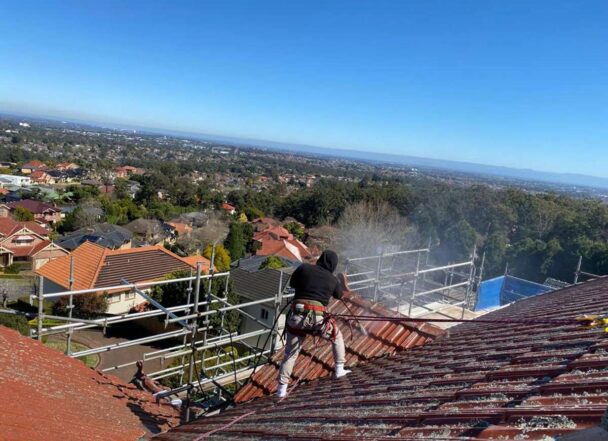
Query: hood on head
328,260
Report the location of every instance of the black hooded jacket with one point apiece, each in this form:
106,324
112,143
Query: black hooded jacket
317,282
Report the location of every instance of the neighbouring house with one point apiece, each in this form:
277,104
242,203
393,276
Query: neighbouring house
203,261
177,229
277,241
99,267
253,284
107,235
230,209
65,176
64,166
20,181
26,242
43,212
56,397
515,378
126,171
263,223
42,177
148,231
32,166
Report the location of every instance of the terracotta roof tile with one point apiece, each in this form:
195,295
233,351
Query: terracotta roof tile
193,260
35,207
87,260
52,397
383,339
481,380
96,266
30,251
9,226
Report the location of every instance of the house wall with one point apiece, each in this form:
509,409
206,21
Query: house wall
50,217
121,303
6,259
118,303
47,255
248,325
126,246
22,181
11,241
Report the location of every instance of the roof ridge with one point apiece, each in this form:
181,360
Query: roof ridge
183,259
131,250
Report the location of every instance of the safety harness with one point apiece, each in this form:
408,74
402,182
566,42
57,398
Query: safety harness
307,308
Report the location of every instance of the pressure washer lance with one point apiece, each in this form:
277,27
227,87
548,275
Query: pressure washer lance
585,321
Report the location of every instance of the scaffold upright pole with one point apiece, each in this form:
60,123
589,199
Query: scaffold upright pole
277,310
577,273
40,306
68,348
194,324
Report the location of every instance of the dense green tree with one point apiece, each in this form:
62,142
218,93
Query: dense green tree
235,242
85,306
23,214
272,262
222,260
296,229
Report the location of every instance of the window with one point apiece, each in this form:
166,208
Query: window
264,314
129,295
23,240
114,298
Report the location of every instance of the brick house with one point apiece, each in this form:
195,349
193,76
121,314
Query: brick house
43,212
26,242
99,267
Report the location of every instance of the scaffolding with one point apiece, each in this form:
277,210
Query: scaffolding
578,272
202,360
407,282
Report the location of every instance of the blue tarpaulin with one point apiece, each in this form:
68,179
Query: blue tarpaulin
506,289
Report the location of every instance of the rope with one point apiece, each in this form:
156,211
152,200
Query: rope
253,412
404,320
225,426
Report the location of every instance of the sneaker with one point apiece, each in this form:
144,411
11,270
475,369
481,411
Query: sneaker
340,371
282,390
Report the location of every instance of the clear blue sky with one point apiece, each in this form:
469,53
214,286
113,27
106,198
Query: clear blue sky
516,83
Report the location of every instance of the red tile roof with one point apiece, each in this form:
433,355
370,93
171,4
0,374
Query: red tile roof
39,174
283,248
34,164
383,339
181,228
277,241
9,226
193,260
51,397
30,251
274,232
97,266
481,380
35,207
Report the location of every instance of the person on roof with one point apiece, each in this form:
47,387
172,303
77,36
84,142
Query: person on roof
314,286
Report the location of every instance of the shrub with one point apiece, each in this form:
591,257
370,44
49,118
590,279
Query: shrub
16,322
272,262
12,269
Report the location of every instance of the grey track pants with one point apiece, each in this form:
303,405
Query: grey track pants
294,343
